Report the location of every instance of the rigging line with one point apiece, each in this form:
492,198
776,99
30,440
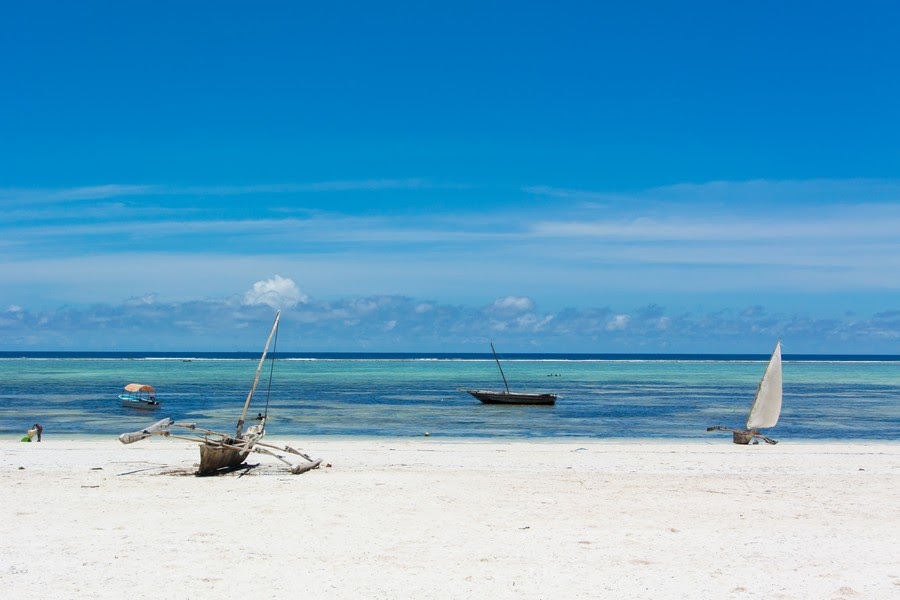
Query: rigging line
271,371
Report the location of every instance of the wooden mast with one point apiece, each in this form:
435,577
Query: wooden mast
499,367
240,423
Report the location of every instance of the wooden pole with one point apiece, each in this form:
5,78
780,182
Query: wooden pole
499,367
240,423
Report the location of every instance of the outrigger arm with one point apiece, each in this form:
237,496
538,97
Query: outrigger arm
163,426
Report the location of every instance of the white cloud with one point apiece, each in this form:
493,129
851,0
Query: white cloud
618,323
145,300
514,303
533,322
115,190
277,292
364,306
97,192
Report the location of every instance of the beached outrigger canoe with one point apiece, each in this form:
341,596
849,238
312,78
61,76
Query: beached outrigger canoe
221,451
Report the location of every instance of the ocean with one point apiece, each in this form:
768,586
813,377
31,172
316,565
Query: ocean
601,397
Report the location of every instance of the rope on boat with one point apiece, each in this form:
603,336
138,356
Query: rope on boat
271,374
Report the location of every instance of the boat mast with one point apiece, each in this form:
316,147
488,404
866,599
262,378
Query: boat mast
240,423
499,367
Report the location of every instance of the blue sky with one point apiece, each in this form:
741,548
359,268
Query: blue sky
408,176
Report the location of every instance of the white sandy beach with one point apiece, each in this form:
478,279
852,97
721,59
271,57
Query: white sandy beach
437,519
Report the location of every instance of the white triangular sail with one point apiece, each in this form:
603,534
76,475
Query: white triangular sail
767,404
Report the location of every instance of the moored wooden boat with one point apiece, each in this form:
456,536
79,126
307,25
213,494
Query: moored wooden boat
508,396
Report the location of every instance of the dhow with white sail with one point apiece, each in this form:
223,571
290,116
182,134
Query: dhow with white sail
766,407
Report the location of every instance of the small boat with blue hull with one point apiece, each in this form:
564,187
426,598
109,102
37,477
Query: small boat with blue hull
140,396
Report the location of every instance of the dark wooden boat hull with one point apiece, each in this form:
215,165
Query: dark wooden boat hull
741,436
214,457
488,397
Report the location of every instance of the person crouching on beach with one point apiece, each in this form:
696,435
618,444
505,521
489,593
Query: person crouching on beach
36,430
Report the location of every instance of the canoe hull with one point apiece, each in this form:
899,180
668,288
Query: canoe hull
214,457
489,397
742,436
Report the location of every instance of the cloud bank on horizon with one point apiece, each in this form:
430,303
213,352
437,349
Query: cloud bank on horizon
722,267
402,324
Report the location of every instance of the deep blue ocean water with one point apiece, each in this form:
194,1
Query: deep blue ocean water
406,395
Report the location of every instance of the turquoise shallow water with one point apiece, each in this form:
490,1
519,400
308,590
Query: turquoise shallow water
600,397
